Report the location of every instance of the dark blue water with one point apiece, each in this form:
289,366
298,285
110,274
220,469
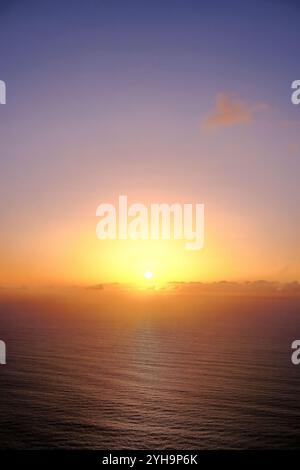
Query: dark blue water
150,373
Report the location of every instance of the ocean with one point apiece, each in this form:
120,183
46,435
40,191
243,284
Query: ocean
149,371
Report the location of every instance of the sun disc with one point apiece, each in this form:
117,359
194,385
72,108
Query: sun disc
148,274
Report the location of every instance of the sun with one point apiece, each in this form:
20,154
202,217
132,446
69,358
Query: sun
148,274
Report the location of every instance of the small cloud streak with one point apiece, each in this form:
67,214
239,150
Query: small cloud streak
230,111
294,148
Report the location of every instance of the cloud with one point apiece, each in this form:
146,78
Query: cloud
96,287
260,287
294,148
230,111
290,124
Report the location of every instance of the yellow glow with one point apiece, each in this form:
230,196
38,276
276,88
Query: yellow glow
68,253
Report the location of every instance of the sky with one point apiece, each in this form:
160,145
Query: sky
176,101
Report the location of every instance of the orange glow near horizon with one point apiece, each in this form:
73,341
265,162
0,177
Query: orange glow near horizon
69,253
